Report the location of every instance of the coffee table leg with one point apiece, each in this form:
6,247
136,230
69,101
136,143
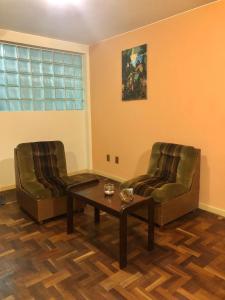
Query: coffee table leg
97,215
70,228
151,224
123,240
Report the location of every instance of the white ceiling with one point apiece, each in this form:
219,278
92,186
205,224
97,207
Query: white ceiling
88,21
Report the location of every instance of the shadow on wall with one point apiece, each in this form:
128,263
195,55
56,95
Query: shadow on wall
7,172
143,163
71,162
205,180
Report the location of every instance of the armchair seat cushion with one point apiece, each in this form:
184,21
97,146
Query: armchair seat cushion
44,187
161,189
53,186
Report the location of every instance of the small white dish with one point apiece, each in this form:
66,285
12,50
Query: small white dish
109,189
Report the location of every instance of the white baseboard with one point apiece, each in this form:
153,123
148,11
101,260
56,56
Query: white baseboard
212,209
7,187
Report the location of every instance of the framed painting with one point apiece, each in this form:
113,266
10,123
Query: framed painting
134,73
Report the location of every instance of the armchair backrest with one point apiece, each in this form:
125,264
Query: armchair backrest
39,160
177,163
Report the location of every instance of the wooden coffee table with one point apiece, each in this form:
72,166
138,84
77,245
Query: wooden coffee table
93,194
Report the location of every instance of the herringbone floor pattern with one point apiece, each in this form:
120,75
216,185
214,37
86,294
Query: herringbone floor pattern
43,262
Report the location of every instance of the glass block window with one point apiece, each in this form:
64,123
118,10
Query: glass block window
40,79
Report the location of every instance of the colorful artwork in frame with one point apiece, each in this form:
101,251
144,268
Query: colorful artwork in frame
134,73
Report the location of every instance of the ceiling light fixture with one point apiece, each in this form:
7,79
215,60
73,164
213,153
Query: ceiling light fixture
65,2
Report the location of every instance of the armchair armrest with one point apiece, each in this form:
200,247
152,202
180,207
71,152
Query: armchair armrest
35,189
168,191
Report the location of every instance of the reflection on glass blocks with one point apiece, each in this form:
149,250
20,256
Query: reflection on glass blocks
69,71
12,79
27,105
70,105
77,72
47,69
70,94
26,80
49,105
78,84
49,93
2,79
59,70
23,53
39,105
26,93
48,81
58,57
14,105
78,94
13,93
68,59
11,65
36,68
38,93
39,79
1,50
69,82
59,82
35,54
77,60
60,105
2,66
4,105
24,67
9,51
59,93
79,105
3,92
47,56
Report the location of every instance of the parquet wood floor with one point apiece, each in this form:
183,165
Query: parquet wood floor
43,262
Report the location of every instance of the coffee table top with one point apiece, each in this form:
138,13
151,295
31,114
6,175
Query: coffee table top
93,194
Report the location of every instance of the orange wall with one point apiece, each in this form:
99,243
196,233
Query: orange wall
186,104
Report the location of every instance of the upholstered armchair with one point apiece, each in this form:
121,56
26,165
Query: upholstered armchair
41,179
172,180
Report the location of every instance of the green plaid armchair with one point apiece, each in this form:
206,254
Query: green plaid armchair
41,179
172,180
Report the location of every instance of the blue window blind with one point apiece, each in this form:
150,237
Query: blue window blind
34,79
